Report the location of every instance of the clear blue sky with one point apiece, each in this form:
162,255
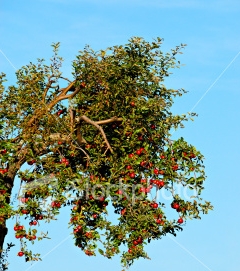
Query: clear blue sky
211,30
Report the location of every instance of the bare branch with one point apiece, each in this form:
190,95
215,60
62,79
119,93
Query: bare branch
102,122
65,90
88,157
87,120
72,118
113,119
80,139
63,96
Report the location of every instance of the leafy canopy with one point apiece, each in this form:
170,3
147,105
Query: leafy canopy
101,139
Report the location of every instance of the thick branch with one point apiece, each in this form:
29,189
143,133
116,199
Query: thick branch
69,96
63,96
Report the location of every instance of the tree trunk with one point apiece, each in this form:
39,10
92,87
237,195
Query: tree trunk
3,233
8,181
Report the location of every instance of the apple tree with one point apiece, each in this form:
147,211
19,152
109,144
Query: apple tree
98,142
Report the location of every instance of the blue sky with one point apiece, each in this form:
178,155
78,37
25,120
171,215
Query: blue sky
210,29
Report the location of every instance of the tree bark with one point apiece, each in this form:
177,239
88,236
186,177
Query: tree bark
8,181
3,233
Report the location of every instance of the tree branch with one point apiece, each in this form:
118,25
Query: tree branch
87,120
63,95
47,87
102,122
59,137
64,78
113,119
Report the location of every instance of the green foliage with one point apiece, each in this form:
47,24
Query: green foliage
109,144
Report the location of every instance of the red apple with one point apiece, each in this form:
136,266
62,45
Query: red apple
175,205
180,220
192,155
159,221
15,228
24,200
148,190
132,104
59,112
135,242
38,217
123,211
138,152
175,167
20,253
119,192
101,198
3,171
83,85
64,160
161,183
31,162
132,175
24,211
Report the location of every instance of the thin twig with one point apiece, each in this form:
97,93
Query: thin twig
64,78
47,87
